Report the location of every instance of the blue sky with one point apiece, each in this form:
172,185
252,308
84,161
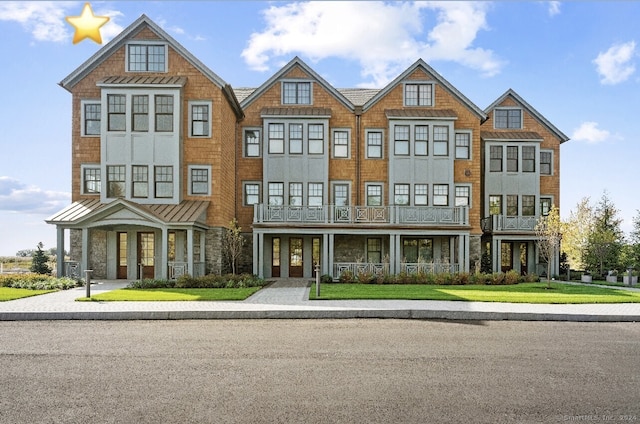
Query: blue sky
575,62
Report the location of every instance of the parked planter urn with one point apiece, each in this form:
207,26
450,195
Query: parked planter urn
612,279
634,280
586,279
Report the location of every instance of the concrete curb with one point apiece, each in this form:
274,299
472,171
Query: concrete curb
314,314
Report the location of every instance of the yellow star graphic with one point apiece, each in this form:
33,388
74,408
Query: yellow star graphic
87,25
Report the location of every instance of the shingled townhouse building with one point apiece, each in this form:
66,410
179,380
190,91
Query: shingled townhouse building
410,177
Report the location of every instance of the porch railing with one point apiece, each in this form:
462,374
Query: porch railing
178,269
503,223
330,214
429,267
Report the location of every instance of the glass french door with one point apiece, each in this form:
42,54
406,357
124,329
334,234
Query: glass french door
146,255
121,272
295,257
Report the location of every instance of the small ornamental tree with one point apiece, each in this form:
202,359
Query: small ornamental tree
549,234
39,261
233,242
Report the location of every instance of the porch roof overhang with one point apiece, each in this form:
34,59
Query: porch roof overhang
93,213
137,80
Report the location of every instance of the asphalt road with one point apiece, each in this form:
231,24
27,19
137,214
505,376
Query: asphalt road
318,371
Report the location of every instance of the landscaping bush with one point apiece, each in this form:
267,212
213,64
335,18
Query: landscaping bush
346,277
511,277
326,279
150,283
33,281
219,281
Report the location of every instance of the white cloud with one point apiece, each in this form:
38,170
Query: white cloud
614,65
589,132
45,20
554,8
384,38
18,197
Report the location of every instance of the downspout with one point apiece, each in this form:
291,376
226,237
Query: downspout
358,113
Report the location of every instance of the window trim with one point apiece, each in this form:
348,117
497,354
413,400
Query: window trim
297,83
368,146
405,142
83,120
531,161
347,145
134,113
468,133
491,159
315,140
426,194
190,106
147,43
193,167
157,114
500,204
300,195
245,144
374,184
533,204
406,187
135,182
123,113
339,183
156,181
550,152
543,198
300,139
517,205
440,142
417,83
469,198
269,144
281,195
312,189
508,126
123,168
436,195
244,192
510,160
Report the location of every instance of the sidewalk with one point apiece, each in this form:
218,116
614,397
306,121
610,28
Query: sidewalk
288,299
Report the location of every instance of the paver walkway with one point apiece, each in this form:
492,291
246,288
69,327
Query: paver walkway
288,298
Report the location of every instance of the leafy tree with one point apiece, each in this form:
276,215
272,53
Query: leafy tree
39,261
605,241
633,251
233,242
549,234
25,253
576,233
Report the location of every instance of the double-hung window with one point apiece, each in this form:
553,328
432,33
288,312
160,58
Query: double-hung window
528,159
164,181
316,139
463,196
315,194
418,95
512,205
545,163
276,194
374,250
295,139
252,143
421,142
199,180
512,158
140,112
340,144
341,194
440,194
374,144
495,158
147,58
91,118
200,116
91,180
463,145
251,193
116,112
295,194
401,140
440,140
140,180
116,181
495,204
374,195
164,113
276,138
545,205
401,194
296,93
507,118
421,194
528,205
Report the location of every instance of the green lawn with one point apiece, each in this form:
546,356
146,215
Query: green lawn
9,293
138,295
519,293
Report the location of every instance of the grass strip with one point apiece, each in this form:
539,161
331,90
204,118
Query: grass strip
518,293
167,294
9,293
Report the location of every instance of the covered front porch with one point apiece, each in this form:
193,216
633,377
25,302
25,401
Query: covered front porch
125,240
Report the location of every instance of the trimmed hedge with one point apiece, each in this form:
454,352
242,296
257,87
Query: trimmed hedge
186,281
445,279
34,281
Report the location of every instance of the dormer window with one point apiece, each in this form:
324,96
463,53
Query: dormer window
507,118
296,93
147,58
418,94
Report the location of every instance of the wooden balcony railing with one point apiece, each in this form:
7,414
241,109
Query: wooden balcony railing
343,215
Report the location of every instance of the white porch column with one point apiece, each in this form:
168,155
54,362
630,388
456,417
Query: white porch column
164,254
497,255
256,253
392,254
190,251
85,250
60,253
324,268
463,253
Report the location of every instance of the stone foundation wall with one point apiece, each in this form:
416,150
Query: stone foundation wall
98,253
475,253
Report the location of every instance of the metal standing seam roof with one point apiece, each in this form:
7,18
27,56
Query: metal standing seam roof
421,113
510,135
187,211
143,79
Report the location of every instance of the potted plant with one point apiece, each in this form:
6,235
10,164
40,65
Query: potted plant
630,274
612,276
586,277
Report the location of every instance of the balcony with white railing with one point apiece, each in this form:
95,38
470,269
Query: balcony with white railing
354,215
509,224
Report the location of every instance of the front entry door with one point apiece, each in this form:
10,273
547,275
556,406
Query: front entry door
507,256
275,257
146,255
122,256
295,257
